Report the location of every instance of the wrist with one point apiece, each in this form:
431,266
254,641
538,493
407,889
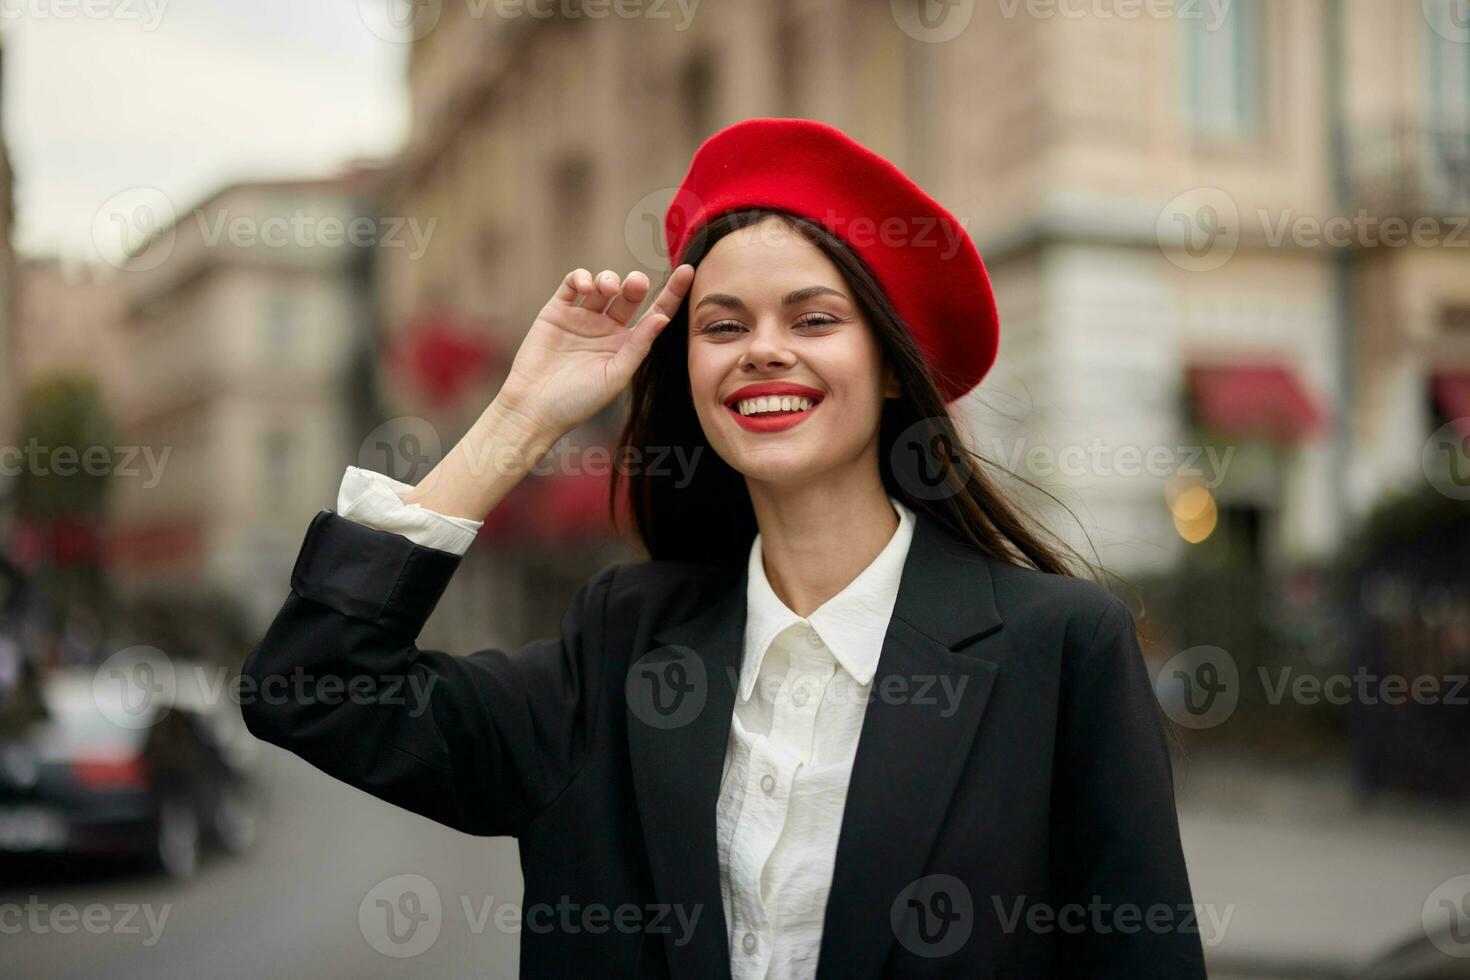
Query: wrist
516,431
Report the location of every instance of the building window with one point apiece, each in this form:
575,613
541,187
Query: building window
1447,39
279,325
785,43
697,95
1223,61
571,196
280,446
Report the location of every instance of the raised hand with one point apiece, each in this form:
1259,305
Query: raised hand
580,351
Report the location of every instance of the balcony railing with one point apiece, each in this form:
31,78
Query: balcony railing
1408,170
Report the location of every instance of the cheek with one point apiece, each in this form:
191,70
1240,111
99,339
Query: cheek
705,370
857,369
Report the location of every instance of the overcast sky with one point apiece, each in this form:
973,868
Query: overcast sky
184,96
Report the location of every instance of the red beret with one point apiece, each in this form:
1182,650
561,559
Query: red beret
921,254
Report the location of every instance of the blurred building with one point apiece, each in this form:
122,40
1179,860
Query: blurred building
66,322
1144,189
65,363
1192,225
249,329
9,398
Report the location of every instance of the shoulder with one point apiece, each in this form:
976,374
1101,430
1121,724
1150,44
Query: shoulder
664,591
1085,612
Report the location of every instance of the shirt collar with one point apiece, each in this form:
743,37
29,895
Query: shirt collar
852,623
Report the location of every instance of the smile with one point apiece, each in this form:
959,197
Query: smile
772,406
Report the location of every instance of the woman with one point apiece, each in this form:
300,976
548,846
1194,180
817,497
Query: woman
854,717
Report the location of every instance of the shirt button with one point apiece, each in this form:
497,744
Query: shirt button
800,697
748,943
812,638
768,783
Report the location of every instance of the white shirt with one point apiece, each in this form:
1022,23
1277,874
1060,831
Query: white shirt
804,688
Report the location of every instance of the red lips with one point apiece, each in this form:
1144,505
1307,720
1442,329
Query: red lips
773,389
776,421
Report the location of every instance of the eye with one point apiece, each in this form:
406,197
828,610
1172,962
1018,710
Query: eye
721,326
734,326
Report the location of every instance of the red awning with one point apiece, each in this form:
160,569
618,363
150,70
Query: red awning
555,508
1264,401
1452,395
155,546
444,355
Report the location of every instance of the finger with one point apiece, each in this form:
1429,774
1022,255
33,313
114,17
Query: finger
605,286
573,286
673,292
635,290
640,341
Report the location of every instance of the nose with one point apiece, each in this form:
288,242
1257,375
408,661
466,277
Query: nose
766,349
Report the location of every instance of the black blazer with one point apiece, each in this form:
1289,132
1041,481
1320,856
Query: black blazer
1010,811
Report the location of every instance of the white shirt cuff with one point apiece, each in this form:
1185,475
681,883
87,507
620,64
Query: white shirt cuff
376,500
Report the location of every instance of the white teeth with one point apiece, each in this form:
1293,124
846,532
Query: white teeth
773,403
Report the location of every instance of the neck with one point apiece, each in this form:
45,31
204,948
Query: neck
816,537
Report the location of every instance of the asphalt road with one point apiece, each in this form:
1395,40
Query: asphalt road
340,885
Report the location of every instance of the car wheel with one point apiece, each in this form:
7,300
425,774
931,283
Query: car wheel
177,848
236,819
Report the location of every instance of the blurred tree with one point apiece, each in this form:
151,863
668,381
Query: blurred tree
1405,613
66,439
66,451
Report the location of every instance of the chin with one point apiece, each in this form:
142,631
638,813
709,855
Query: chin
799,461
776,468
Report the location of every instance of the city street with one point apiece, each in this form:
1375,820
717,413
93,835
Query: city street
1316,883
1308,883
288,909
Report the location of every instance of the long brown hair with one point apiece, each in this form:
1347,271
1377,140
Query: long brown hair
710,518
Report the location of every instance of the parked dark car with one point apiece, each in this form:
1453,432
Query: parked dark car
162,788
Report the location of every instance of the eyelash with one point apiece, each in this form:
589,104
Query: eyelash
807,319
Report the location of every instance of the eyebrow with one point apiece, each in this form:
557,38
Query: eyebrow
790,299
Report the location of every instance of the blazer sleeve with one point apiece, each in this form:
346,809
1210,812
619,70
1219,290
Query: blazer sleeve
1117,860
482,742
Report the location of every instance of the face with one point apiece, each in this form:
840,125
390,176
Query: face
786,374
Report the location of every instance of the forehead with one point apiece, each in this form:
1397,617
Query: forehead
766,256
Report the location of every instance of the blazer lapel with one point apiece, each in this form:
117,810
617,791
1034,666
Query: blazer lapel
928,698
926,704
681,696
